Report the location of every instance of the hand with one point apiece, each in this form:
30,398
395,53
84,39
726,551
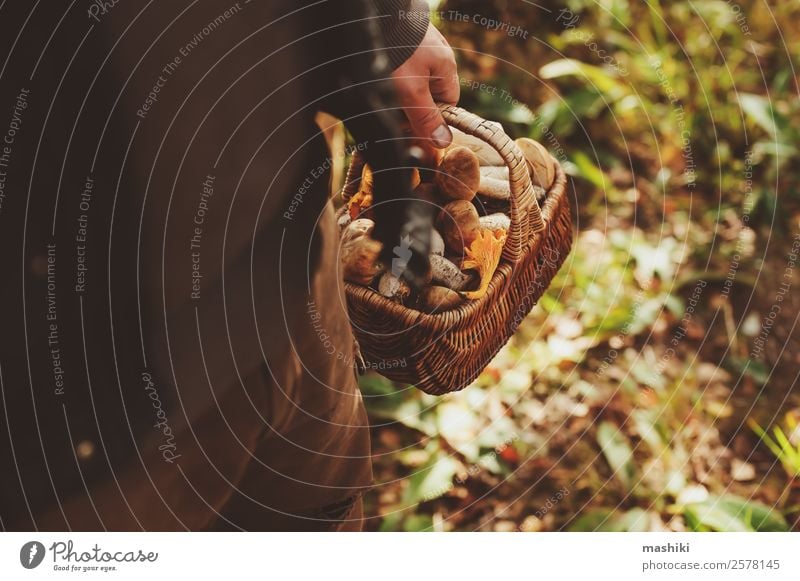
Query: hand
428,76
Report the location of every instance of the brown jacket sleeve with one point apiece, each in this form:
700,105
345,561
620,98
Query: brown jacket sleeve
403,24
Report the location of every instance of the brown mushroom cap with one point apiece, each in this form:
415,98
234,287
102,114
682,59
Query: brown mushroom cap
540,164
359,259
459,224
343,221
459,174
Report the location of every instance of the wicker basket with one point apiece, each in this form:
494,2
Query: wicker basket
444,352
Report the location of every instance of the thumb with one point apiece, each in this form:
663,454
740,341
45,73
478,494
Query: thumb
424,116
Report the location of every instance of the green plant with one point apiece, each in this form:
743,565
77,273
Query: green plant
780,443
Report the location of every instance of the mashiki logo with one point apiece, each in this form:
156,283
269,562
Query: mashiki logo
31,554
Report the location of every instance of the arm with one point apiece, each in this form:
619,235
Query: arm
424,66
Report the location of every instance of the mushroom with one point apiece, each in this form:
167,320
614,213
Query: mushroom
497,221
392,287
439,298
540,164
360,260
459,174
483,255
496,172
486,154
486,205
357,229
343,221
447,274
497,189
459,225
500,188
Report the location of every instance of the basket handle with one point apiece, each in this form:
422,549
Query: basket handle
526,215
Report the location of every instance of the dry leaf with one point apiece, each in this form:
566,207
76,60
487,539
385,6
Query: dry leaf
358,204
484,256
361,200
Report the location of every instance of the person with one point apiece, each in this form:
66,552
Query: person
175,351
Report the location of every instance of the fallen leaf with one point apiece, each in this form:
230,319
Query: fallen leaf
361,200
484,256
358,204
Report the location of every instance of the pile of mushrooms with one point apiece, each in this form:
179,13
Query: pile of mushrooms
469,184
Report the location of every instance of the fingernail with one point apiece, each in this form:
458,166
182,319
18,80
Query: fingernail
442,137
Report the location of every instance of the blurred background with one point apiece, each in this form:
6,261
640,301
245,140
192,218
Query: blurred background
654,387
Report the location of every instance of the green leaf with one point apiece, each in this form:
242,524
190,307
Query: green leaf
392,522
591,521
759,516
759,109
618,452
645,422
583,104
418,523
714,517
786,445
636,520
600,79
732,513
658,21
415,414
492,464
755,369
588,170
381,396
621,11
432,480
658,260
457,424
610,521
781,151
